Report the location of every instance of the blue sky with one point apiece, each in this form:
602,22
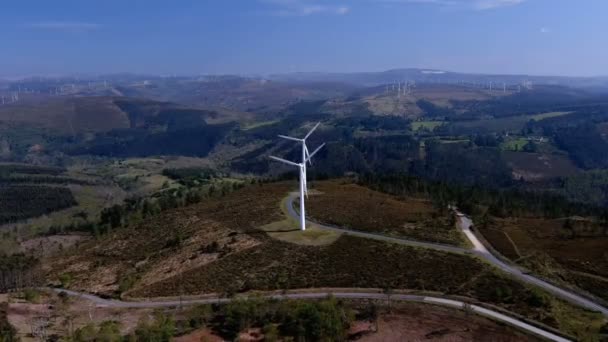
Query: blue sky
558,37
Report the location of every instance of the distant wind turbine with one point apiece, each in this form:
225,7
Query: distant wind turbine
306,158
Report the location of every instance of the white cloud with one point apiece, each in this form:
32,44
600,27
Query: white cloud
304,8
544,30
70,26
478,5
489,4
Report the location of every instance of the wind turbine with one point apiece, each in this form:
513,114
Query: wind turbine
306,158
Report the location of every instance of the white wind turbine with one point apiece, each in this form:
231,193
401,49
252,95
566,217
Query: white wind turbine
306,158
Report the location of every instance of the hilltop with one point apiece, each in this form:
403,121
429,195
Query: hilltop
218,246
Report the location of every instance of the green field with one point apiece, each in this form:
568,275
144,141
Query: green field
430,125
454,141
253,125
515,144
542,116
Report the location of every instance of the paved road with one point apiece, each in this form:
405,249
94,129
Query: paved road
478,249
482,251
494,315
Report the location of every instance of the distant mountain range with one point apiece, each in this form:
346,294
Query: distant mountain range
437,76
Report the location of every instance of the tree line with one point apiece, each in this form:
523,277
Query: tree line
471,198
136,209
292,320
18,271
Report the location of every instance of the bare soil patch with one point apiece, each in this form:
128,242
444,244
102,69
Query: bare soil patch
418,322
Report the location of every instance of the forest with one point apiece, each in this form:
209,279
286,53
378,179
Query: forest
471,198
18,202
192,141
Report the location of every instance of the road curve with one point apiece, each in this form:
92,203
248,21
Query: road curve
494,315
478,249
437,246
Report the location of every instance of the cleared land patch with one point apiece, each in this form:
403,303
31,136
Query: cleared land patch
418,322
178,239
542,116
539,166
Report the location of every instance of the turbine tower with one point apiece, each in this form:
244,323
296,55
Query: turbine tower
306,158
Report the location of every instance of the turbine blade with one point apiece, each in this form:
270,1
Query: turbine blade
307,154
315,152
312,130
284,161
290,138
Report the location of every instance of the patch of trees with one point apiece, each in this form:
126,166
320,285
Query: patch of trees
191,176
384,153
18,202
176,119
139,111
14,179
473,199
107,331
134,210
324,320
17,271
8,169
455,162
431,110
307,107
388,153
587,114
487,140
8,333
342,154
460,163
589,187
586,146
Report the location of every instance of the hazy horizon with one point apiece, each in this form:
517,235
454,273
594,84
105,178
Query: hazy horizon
262,37
9,77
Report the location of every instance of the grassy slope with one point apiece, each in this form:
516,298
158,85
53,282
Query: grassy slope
547,248
353,206
68,115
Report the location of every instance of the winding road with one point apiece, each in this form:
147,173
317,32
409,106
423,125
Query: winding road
494,315
478,249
